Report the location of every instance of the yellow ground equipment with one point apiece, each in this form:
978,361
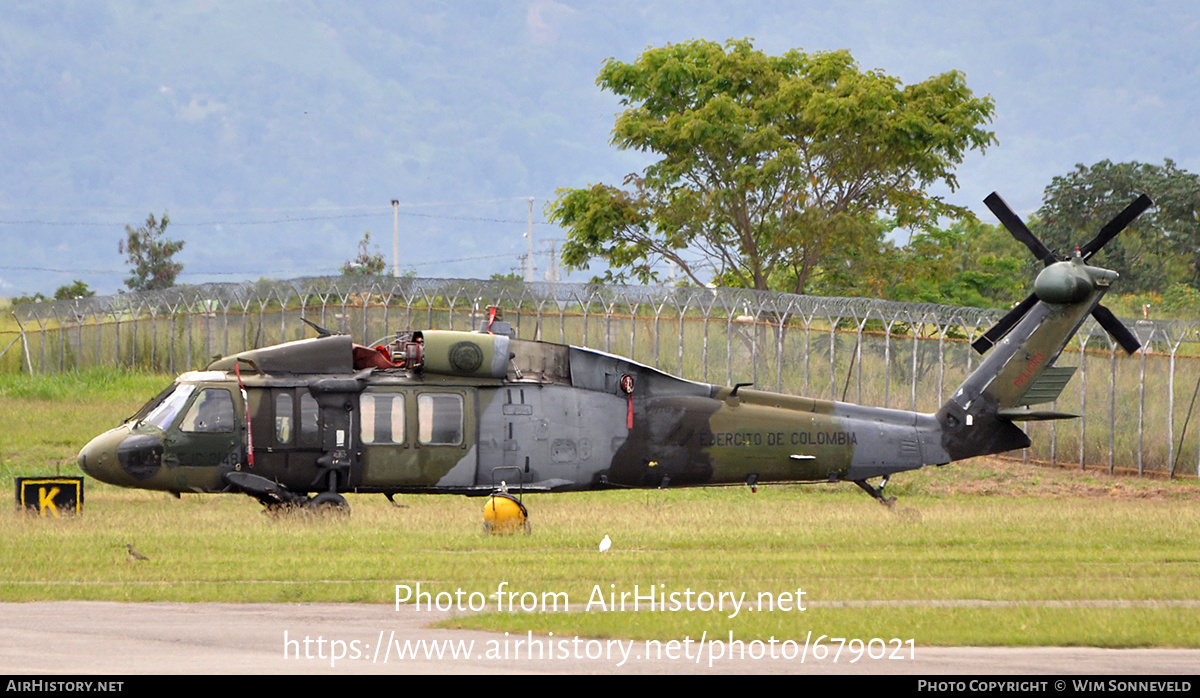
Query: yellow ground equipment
504,513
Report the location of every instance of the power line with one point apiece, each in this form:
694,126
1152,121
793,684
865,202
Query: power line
275,221
67,271
193,272
331,213
287,219
461,259
474,218
186,224
276,209
374,211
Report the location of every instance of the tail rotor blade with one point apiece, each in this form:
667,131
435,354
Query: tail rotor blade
1119,332
1104,316
1116,225
988,339
1017,227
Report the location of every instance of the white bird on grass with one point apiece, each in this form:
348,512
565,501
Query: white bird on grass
605,544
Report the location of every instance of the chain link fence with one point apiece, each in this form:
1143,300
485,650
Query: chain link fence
1137,411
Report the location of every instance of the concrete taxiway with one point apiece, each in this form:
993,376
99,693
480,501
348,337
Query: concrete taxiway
96,638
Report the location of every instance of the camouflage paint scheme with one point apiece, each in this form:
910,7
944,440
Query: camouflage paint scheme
549,417
468,413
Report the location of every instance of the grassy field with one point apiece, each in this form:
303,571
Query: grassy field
984,552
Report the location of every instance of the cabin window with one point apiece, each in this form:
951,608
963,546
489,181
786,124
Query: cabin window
165,413
310,426
284,417
211,413
440,419
382,419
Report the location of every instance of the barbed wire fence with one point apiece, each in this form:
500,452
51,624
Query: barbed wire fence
1136,412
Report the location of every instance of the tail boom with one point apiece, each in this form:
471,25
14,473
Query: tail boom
977,419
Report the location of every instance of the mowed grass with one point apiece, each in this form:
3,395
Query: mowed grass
983,552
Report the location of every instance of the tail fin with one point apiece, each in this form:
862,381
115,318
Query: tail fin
978,418
1019,371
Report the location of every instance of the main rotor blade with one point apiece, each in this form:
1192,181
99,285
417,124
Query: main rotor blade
1017,227
1119,332
1116,225
997,332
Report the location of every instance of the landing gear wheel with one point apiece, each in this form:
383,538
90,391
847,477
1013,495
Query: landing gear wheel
877,492
328,503
278,509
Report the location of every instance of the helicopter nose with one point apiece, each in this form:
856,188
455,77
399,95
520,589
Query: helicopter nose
99,457
119,457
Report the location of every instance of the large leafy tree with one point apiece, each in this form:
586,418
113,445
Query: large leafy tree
969,263
771,170
151,255
1160,248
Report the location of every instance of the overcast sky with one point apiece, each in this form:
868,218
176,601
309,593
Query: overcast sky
463,111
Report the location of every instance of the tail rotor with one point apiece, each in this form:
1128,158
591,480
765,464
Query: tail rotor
1052,290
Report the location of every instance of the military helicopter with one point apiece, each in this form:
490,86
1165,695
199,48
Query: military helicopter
434,411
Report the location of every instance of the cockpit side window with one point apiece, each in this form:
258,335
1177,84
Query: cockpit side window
164,414
211,413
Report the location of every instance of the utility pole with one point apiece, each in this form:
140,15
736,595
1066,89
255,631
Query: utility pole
524,265
396,238
529,236
552,274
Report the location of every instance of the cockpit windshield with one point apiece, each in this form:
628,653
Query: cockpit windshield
145,409
166,411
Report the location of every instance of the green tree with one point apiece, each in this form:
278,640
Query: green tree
769,168
75,289
23,299
151,255
367,263
1160,248
968,264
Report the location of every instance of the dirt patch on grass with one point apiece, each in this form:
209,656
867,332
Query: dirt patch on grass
1010,478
